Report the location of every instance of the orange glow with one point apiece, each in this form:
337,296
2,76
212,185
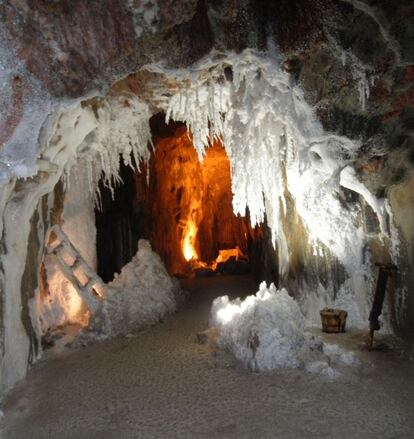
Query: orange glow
190,234
75,308
62,300
225,255
190,210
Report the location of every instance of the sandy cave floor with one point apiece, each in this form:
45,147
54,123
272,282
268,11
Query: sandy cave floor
161,384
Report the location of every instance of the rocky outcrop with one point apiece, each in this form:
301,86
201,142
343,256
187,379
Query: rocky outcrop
74,47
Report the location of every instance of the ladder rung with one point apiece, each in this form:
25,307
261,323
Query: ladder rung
88,292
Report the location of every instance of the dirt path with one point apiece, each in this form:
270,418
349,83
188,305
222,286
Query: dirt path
161,384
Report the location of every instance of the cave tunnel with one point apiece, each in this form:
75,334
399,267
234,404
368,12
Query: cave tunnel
183,207
206,219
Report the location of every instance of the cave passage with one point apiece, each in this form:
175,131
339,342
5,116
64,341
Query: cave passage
181,205
118,226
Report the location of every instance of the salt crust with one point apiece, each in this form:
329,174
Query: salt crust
142,294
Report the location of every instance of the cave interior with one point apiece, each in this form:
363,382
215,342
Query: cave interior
181,205
189,189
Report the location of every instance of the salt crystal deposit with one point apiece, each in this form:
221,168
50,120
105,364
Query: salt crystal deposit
141,295
268,331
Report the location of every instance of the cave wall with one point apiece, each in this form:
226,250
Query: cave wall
341,52
21,217
370,41
219,227
55,207
29,207
31,276
55,301
176,192
263,255
78,216
402,203
181,190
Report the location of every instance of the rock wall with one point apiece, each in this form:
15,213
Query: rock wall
28,208
183,190
53,300
402,202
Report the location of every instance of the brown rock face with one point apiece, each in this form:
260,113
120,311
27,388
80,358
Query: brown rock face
190,203
75,46
402,202
13,113
74,41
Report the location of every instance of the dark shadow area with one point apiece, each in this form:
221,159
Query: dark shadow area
117,226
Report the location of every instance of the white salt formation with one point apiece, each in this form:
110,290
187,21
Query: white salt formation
141,295
63,305
277,146
118,128
267,331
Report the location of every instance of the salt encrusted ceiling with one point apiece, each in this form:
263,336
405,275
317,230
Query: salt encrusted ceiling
55,50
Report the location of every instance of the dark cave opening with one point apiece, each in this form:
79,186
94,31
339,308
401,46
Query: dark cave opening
117,225
183,207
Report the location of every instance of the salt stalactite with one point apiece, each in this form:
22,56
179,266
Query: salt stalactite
276,144
365,80
120,129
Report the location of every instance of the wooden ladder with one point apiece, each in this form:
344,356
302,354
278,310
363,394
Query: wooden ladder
87,283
